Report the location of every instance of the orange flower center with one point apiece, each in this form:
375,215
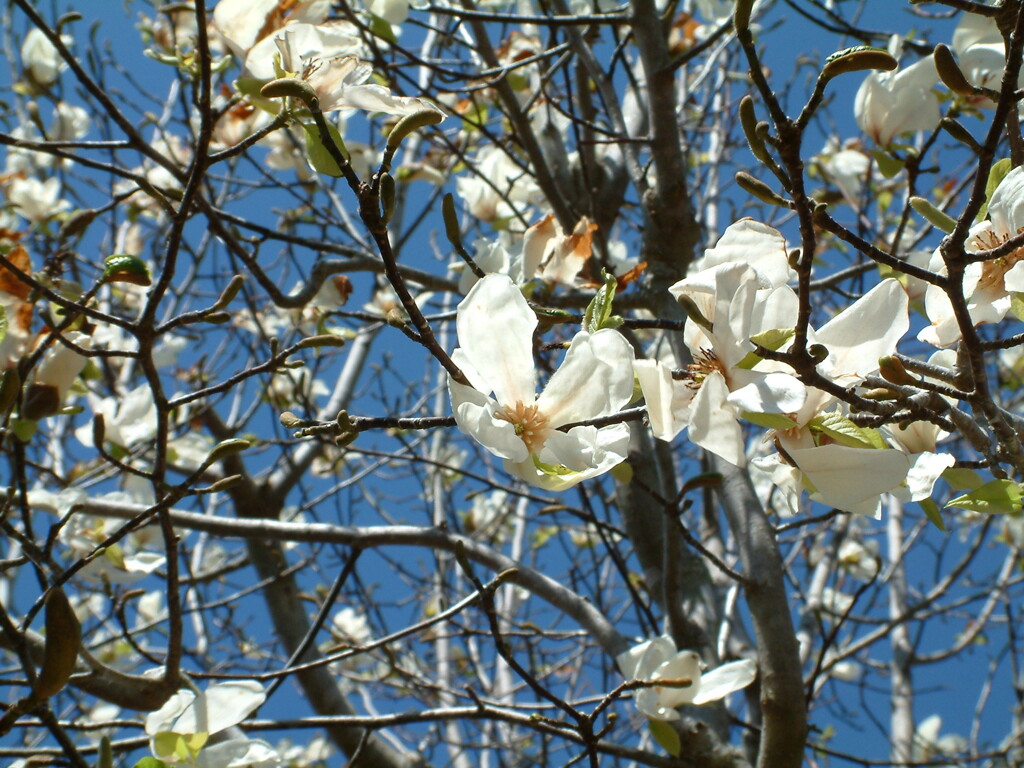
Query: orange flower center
704,364
993,271
531,425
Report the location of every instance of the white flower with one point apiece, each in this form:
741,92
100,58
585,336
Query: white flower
495,328
928,745
128,419
846,166
40,58
846,476
53,377
37,200
858,560
986,285
890,103
757,245
351,626
179,730
14,296
658,659
243,23
980,55
496,184
736,302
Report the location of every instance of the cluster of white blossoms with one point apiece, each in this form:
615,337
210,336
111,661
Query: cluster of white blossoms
738,300
889,104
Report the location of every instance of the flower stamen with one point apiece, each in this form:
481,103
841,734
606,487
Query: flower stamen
705,363
531,426
994,270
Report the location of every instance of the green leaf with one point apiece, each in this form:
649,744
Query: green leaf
196,741
557,470
769,420
319,157
888,165
599,310
115,555
774,340
623,473
996,174
996,497
931,509
666,736
24,429
105,758
845,432
3,323
165,743
126,268
1016,306
959,478
382,29
150,762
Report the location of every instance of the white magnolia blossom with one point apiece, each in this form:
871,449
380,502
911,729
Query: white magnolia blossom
859,559
891,103
928,745
17,310
980,55
190,719
244,23
498,187
351,626
60,366
658,659
755,244
501,408
844,476
39,56
128,419
130,561
846,166
35,199
544,252
988,285
735,302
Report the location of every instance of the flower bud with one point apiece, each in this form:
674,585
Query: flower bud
950,73
229,293
63,640
126,268
741,16
760,190
748,120
892,369
857,59
289,86
817,353
387,196
935,217
410,123
693,312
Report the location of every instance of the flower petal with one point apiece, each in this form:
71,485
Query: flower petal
848,477
668,402
750,242
595,379
495,327
475,415
866,330
720,682
713,423
1006,208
